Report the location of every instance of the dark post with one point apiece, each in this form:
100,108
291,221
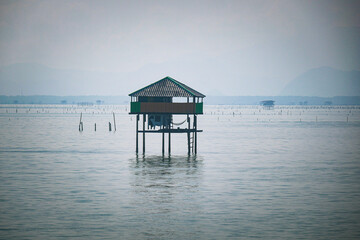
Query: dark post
137,133
144,117
195,123
109,126
188,134
163,142
169,141
95,127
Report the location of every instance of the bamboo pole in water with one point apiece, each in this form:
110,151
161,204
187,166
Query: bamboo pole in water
114,122
80,123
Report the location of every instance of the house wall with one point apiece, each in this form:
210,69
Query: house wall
163,107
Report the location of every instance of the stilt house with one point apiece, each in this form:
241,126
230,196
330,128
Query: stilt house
157,104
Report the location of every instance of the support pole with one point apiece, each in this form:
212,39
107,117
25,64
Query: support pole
137,133
188,134
163,141
169,142
144,117
195,123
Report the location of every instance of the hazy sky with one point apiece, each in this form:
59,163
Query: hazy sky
250,43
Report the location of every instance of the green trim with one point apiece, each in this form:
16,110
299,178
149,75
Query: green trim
199,108
186,88
146,87
135,107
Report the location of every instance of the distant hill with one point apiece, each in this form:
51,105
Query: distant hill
324,82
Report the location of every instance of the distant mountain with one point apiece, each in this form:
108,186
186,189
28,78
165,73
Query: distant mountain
324,82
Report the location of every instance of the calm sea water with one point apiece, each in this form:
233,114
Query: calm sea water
287,173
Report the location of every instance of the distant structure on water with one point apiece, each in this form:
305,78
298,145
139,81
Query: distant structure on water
268,104
156,104
85,104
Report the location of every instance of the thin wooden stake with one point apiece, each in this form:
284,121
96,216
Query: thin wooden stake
80,123
114,122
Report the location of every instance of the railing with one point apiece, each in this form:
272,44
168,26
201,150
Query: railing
162,107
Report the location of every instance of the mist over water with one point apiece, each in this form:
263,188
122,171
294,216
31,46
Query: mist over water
291,172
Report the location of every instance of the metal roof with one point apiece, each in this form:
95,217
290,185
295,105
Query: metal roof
167,87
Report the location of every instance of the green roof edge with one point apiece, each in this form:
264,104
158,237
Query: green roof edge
146,86
180,85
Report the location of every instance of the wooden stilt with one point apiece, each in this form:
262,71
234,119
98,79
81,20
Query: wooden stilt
188,134
169,143
137,133
144,117
163,142
195,123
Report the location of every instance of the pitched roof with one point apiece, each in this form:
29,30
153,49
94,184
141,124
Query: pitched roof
167,87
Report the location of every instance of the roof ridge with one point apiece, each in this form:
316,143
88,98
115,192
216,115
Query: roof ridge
181,85
148,86
189,89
